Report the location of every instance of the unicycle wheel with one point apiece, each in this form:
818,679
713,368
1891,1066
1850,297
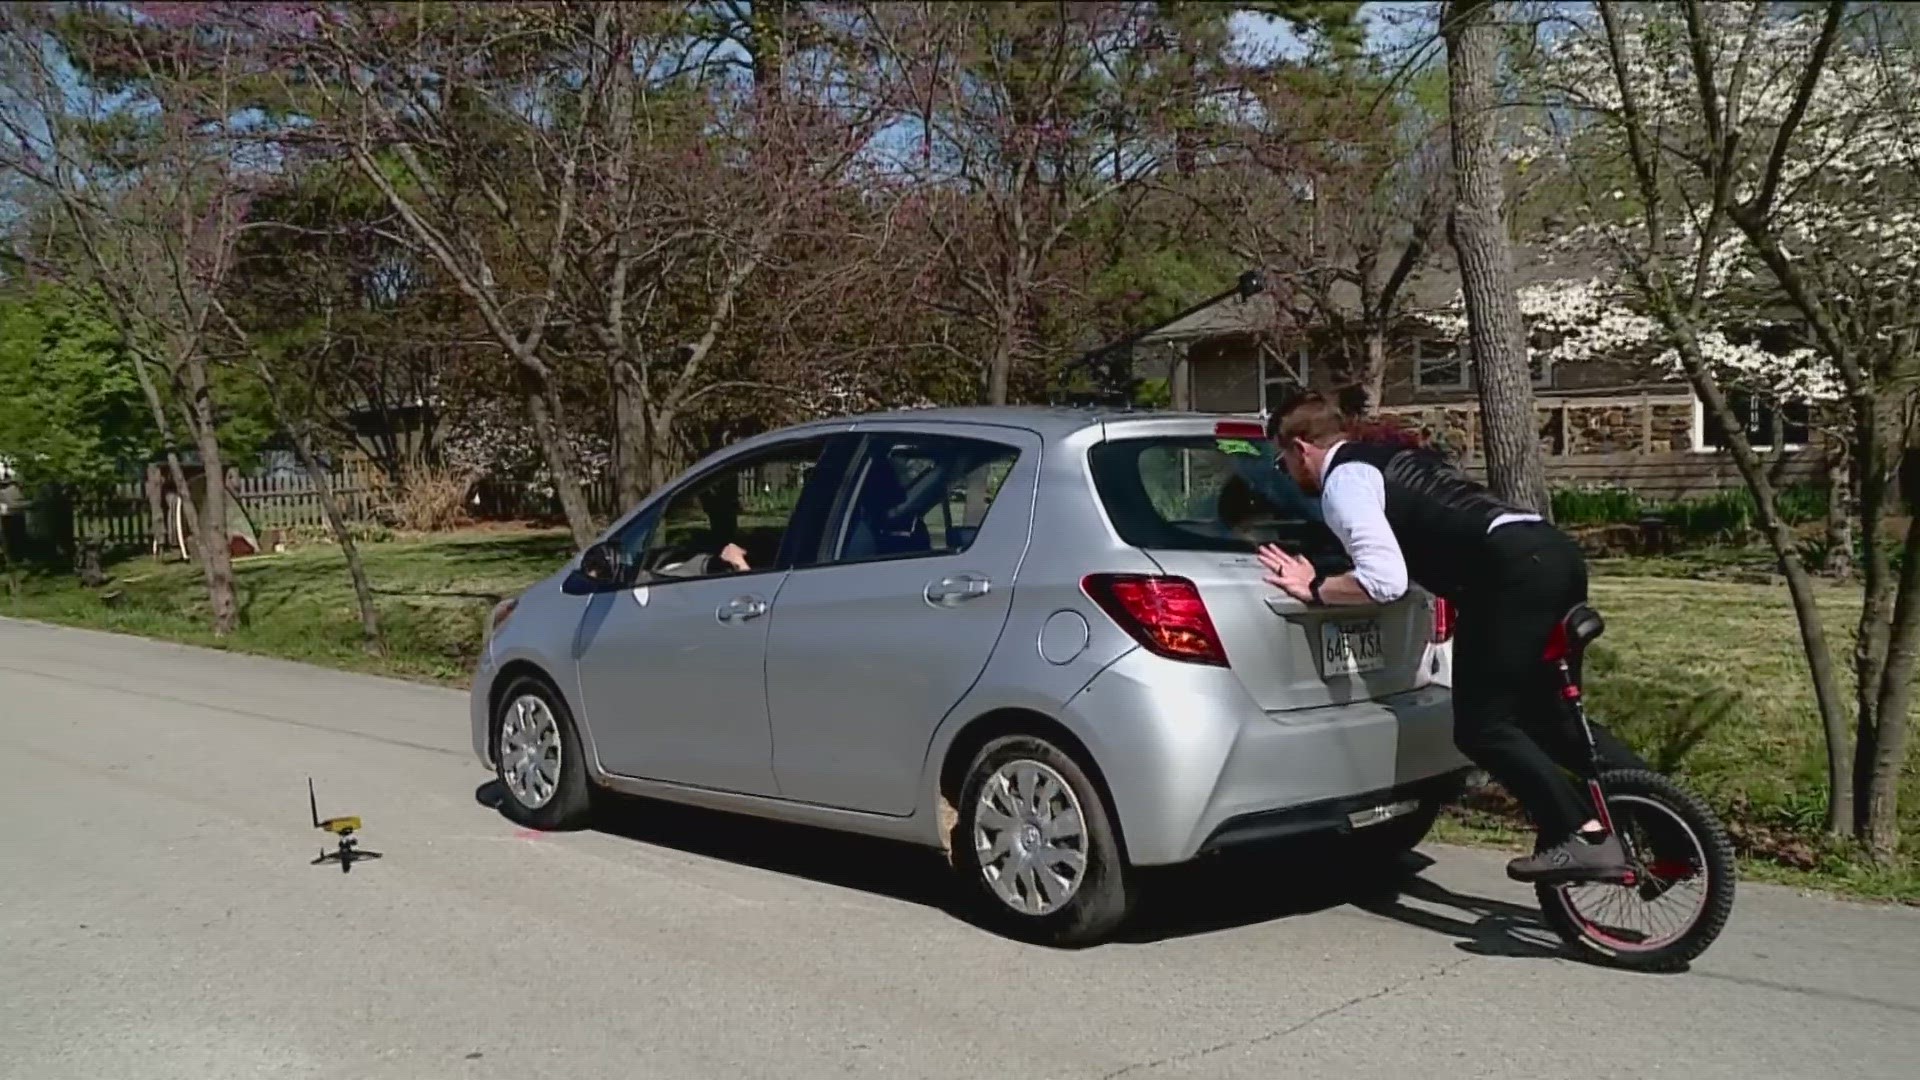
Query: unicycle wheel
1683,890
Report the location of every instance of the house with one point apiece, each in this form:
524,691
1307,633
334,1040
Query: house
1602,422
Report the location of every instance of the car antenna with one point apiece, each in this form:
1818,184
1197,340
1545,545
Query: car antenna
347,853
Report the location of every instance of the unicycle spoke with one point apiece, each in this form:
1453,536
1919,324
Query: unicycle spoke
1683,883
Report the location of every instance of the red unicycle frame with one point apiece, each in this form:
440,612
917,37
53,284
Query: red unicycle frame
1676,893
1569,638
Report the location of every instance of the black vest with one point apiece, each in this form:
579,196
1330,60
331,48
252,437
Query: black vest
1439,517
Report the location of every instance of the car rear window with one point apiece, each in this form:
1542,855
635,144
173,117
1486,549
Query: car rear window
1205,493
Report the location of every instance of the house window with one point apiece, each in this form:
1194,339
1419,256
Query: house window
1438,365
1756,416
1540,368
1278,378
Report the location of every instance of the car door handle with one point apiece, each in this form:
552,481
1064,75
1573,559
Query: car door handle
960,587
742,608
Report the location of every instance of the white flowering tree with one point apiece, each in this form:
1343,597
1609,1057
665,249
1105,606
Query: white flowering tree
1581,320
1753,164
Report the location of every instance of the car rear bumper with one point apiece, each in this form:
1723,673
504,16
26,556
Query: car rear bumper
1186,752
1349,814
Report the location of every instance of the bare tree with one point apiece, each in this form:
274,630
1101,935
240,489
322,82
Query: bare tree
153,217
1478,229
1337,184
159,215
1785,149
449,113
683,209
1028,118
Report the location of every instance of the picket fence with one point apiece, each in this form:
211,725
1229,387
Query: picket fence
121,518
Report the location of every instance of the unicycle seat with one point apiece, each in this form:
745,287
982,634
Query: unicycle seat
1574,633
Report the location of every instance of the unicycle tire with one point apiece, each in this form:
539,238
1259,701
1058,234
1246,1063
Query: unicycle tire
1677,840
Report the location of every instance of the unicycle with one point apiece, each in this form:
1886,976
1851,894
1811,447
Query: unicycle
1677,896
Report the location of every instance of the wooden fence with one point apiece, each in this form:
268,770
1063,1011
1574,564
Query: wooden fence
122,518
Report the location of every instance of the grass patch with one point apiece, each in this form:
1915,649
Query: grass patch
1707,680
1704,677
433,595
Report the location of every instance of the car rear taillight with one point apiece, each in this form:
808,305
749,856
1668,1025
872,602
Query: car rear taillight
1165,614
1239,429
1442,621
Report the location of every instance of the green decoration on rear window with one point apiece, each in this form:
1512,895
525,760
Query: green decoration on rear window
1237,446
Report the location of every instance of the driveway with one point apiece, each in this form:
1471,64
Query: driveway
159,918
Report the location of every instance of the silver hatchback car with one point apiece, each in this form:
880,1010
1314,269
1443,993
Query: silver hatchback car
1037,639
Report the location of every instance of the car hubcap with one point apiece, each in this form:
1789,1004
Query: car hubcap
530,751
1030,837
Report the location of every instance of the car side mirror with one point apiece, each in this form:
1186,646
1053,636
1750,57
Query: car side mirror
603,568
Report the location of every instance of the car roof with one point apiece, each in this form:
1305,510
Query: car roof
1050,422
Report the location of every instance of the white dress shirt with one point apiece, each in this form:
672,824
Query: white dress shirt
1353,502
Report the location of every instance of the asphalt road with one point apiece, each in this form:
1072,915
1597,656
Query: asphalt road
159,919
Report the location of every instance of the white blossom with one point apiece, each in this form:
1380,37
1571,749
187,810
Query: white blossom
1845,208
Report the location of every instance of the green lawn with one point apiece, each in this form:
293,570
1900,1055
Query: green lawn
1702,676
433,595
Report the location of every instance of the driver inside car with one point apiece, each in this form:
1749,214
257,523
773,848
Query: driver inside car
723,524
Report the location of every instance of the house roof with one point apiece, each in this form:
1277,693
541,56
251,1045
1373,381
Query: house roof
1431,288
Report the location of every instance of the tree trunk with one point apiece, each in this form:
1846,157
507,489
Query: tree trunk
1840,510
1881,817
1371,379
330,508
553,449
1478,230
156,491
663,459
633,451
216,561
1873,637
1000,364
175,470
1015,289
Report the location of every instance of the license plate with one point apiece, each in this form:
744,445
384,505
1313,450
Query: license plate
1351,647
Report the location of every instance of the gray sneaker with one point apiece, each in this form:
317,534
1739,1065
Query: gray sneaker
1574,859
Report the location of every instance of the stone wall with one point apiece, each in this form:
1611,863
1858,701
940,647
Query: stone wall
1572,426
1673,425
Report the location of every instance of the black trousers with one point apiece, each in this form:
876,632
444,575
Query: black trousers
1507,714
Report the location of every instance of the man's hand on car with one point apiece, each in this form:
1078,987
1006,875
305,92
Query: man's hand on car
735,556
1290,574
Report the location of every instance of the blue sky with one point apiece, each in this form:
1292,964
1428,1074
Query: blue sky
1389,25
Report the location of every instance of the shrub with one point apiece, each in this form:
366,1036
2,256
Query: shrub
1595,506
1722,517
428,499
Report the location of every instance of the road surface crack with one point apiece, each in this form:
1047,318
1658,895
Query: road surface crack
1291,1029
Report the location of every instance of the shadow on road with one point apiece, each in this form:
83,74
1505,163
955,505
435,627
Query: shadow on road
1215,894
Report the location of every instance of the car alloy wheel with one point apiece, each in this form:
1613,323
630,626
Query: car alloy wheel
1030,837
530,755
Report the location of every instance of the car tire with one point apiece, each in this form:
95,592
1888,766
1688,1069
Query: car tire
1100,892
557,798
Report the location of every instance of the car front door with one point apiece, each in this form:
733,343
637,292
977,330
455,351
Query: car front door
672,671
870,647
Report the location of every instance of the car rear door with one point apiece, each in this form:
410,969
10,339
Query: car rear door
1166,492
871,646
